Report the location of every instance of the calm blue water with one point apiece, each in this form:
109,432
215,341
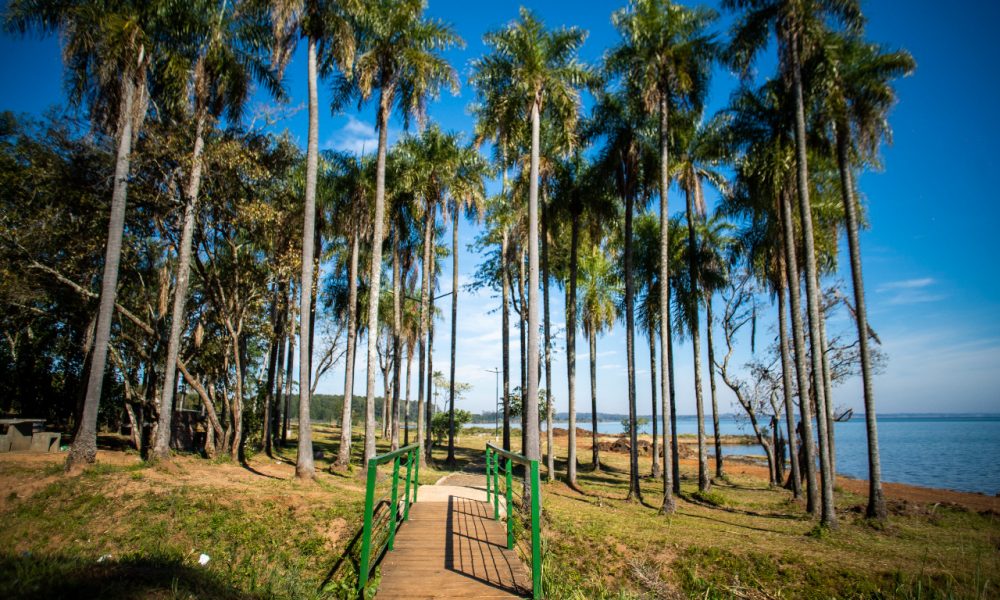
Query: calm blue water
960,452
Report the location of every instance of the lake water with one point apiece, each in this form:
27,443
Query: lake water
960,452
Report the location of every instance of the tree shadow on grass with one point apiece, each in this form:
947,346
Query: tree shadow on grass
36,576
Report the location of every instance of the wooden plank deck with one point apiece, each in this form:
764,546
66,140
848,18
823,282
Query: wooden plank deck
452,549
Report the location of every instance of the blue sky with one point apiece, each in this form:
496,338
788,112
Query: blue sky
932,282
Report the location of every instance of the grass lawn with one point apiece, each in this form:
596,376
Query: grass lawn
124,529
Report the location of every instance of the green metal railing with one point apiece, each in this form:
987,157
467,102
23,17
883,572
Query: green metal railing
411,454
493,458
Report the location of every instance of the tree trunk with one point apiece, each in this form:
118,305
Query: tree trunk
704,483
670,475
829,516
304,468
406,405
574,245
454,333
288,367
634,491
798,338
375,282
344,453
523,322
711,384
274,421
397,344
505,334
84,448
786,382
655,473
530,400
430,367
676,457
272,367
876,501
161,449
550,459
595,458
828,396
425,290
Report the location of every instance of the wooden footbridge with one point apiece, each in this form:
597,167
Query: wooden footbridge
453,539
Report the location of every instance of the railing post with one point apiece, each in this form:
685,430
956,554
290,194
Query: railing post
409,472
394,503
416,473
487,474
496,486
366,539
510,513
536,539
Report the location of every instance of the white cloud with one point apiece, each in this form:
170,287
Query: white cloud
910,291
354,136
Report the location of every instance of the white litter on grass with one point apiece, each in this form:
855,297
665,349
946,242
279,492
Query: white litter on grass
103,558
203,559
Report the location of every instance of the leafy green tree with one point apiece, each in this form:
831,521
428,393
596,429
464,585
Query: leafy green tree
859,80
107,48
399,55
665,53
535,67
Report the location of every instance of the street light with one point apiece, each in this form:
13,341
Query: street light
496,406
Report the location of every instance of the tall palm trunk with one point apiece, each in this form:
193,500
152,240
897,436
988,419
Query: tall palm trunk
430,371
828,396
634,491
711,384
375,283
829,516
655,472
397,326
798,338
454,333
595,458
530,401
422,402
344,453
786,382
704,483
288,367
574,244
523,330
84,448
273,435
876,501
676,458
277,340
505,333
304,468
550,459
670,475
161,448
406,405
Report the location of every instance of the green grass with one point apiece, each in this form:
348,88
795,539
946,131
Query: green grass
133,530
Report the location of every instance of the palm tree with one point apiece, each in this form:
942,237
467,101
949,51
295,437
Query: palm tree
796,25
108,50
350,184
469,192
327,27
399,54
860,95
227,56
647,242
758,125
535,67
666,53
699,152
599,287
